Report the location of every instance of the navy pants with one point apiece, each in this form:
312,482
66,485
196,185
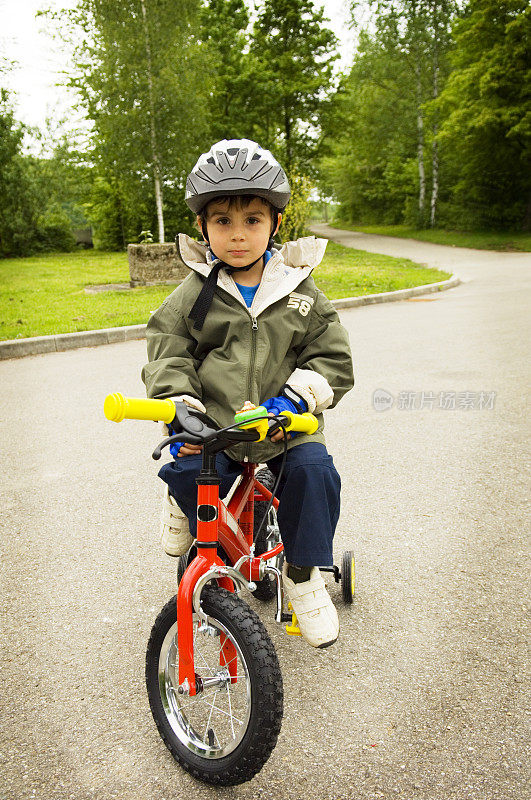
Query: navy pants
309,497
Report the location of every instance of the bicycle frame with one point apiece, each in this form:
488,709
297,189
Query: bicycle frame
230,526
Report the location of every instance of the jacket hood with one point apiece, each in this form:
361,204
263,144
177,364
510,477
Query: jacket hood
284,271
306,252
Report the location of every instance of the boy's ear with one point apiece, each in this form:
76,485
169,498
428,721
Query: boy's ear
200,228
279,218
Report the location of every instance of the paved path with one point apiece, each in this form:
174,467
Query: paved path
488,265
423,697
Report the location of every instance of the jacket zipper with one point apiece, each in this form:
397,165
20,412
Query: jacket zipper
254,328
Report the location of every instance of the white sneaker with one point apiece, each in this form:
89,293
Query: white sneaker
175,534
316,614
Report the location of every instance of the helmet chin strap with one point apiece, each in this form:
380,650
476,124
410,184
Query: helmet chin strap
206,295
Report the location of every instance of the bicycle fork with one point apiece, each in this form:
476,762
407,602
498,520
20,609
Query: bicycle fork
204,568
208,566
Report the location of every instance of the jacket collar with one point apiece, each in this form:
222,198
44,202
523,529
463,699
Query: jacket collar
284,271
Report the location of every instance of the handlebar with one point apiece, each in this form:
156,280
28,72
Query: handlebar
117,407
302,423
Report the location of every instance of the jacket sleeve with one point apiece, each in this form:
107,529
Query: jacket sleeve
172,368
324,363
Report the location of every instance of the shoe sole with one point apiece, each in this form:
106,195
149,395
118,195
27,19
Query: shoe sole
327,644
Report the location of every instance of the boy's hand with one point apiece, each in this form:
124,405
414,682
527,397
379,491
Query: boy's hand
248,406
179,449
189,450
279,435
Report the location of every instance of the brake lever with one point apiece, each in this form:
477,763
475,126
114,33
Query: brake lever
157,452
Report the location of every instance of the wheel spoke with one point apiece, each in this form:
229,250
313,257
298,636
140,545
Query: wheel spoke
205,662
200,653
192,701
210,715
230,710
226,713
226,663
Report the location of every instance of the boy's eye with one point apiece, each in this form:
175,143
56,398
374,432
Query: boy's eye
223,220
253,220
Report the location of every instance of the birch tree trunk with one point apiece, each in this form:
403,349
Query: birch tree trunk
435,173
435,152
420,148
153,133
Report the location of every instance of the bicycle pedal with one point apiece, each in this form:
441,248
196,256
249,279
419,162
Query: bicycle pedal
293,629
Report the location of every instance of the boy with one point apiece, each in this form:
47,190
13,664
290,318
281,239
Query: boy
248,325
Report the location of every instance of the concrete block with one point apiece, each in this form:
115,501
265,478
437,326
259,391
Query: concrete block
150,264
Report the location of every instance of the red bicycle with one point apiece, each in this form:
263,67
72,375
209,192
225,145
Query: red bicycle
212,673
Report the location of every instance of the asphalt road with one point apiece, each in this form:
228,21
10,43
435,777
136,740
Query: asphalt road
424,695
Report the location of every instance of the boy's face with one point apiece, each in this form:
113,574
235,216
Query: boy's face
239,234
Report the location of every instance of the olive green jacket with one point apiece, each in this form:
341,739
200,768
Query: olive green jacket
290,334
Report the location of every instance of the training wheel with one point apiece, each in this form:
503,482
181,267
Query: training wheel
348,576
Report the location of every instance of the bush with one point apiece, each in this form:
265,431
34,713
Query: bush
54,232
298,209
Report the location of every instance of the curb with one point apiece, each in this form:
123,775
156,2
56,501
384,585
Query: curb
399,294
37,345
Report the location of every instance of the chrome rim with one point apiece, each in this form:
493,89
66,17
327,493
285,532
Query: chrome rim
213,722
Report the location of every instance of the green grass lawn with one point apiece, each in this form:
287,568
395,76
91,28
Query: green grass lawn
480,241
345,272
45,294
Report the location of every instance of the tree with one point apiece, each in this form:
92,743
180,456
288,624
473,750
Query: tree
293,54
139,76
417,34
226,55
378,132
369,152
17,210
37,203
486,115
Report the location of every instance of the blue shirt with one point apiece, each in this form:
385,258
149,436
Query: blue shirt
248,292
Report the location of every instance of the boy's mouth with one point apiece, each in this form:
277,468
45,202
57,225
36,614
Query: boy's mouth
238,252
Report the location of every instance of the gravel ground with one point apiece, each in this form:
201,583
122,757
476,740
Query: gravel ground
424,695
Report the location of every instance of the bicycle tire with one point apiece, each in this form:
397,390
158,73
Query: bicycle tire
189,556
348,576
258,702
183,562
266,588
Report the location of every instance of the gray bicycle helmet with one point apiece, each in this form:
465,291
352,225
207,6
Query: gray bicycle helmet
237,166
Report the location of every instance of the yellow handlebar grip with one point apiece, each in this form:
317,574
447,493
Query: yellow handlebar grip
303,423
117,407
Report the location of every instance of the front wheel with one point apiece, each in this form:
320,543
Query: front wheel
225,733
